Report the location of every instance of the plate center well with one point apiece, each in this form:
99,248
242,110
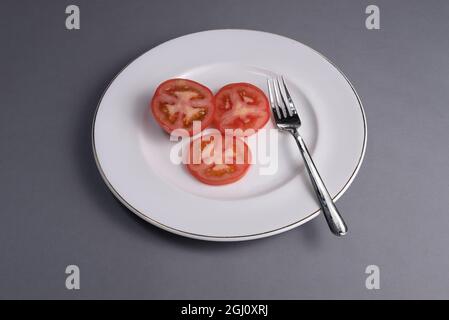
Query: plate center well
277,160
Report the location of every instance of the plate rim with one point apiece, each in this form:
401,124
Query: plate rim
237,237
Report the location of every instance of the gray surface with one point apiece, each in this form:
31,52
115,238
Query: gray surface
56,210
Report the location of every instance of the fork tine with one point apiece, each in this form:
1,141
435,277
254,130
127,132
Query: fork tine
289,98
281,99
274,106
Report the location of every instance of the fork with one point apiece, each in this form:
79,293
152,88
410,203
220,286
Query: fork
287,119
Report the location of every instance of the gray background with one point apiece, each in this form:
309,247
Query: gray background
56,210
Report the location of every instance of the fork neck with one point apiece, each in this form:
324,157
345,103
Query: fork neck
294,132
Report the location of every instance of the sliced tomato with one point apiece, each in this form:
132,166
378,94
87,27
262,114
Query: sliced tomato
178,102
241,106
216,160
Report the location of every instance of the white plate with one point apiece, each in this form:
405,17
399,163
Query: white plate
132,152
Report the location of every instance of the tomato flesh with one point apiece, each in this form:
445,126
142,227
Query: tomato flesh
241,106
216,160
177,103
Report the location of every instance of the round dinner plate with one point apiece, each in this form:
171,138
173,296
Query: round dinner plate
135,156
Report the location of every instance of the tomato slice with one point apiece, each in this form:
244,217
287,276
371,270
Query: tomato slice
178,102
216,160
241,106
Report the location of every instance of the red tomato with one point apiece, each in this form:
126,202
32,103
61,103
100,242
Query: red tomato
216,160
178,102
241,106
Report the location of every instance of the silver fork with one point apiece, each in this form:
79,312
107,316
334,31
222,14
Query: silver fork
287,119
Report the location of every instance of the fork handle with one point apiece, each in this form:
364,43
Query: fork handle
333,217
